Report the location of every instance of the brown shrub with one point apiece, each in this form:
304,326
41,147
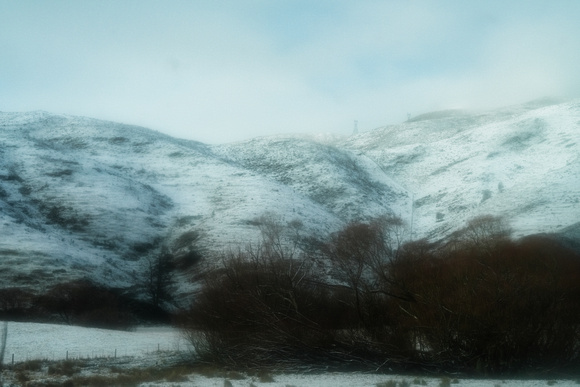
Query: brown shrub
514,307
482,302
15,302
257,310
84,303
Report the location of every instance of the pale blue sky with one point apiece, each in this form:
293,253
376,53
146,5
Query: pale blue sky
219,71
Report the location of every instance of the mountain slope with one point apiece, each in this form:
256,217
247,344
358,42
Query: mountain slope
81,197
86,198
347,185
520,162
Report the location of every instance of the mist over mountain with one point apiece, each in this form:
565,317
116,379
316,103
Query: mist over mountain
84,198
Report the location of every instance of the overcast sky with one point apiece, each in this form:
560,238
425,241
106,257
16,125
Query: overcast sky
219,71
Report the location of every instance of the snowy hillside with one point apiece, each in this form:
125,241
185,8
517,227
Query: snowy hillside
347,185
86,198
81,197
521,162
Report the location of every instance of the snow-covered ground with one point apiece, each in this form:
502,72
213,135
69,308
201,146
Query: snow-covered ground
139,348
340,379
28,341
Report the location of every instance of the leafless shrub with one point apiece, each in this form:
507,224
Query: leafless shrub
255,310
84,303
482,302
158,278
15,302
501,310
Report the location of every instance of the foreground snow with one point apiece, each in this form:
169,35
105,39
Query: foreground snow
158,346
30,341
363,380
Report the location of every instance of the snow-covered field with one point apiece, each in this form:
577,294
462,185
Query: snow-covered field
28,341
365,380
139,348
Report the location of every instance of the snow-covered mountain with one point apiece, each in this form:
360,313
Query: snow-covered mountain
86,198
522,163
81,197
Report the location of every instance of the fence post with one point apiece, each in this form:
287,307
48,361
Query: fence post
3,342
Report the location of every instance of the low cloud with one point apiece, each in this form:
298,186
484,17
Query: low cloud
219,72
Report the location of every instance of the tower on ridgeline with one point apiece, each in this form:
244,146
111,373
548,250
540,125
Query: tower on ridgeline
355,131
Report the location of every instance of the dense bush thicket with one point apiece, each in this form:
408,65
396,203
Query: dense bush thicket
78,302
255,300
15,303
84,303
511,308
480,303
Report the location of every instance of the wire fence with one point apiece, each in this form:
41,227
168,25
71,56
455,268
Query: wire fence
30,341
101,353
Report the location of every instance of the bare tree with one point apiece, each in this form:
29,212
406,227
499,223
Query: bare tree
483,233
274,240
362,254
159,278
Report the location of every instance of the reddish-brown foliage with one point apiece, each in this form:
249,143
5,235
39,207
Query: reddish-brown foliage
481,302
